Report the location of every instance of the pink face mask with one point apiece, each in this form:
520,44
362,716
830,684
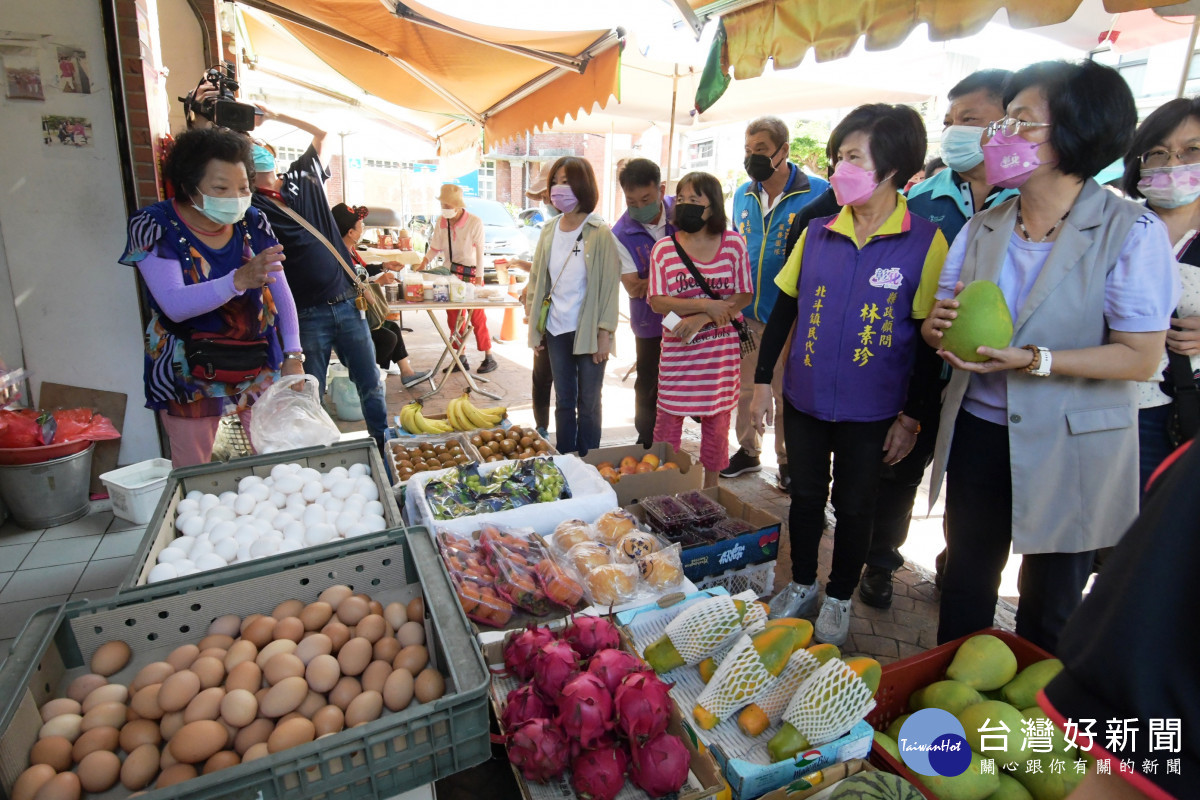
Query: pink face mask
852,185
1170,187
1008,161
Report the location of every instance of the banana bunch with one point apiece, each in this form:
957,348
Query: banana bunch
413,421
464,416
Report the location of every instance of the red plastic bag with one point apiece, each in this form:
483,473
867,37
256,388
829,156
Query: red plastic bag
19,428
75,424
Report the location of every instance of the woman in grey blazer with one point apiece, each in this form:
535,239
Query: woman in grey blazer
1038,442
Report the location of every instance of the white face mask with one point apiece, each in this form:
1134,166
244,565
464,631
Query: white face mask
223,210
449,213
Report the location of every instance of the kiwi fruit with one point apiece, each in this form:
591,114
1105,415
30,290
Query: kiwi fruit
541,446
507,446
477,440
486,436
485,451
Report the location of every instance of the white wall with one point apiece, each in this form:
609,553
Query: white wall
62,217
181,43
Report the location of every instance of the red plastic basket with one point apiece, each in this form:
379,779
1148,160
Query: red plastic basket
901,678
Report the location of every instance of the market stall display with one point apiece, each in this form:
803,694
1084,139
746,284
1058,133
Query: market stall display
427,454
506,444
636,472
461,415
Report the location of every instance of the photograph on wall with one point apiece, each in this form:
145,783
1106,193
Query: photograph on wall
73,71
23,76
59,131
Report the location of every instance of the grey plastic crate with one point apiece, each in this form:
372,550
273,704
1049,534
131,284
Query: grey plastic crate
217,478
395,753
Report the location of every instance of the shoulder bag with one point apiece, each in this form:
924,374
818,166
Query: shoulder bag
544,311
745,335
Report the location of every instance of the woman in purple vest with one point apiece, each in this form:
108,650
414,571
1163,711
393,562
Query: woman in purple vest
860,282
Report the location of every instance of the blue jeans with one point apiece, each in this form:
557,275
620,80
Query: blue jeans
1153,444
578,382
325,327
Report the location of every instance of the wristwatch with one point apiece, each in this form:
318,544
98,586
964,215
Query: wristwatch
295,356
1040,366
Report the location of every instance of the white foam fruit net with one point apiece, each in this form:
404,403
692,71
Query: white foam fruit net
739,679
775,698
828,703
703,627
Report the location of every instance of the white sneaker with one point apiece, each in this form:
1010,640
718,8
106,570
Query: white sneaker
394,369
833,623
794,600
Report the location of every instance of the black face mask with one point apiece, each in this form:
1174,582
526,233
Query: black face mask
760,167
689,217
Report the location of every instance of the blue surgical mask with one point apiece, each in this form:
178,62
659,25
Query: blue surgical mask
263,160
961,148
223,210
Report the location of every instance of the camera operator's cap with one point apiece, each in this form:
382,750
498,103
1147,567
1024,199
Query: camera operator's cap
451,195
539,186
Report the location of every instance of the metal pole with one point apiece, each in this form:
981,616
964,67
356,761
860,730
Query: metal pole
671,129
1187,58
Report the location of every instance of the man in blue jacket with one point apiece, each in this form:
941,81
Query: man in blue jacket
763,210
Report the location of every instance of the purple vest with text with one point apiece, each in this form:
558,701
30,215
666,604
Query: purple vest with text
638,241
855,339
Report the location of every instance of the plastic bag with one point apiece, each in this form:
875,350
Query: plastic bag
22,427
75,424
525,572
474,581
285,419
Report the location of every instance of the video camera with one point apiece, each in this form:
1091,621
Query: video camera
225,110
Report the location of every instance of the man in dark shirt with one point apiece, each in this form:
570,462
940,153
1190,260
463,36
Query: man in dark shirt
325,296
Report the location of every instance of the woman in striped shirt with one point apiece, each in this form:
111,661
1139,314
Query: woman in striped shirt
700,371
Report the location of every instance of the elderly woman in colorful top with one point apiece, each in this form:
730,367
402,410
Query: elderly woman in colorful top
700,369
571,302
459,234
859,283
215,278
1038,440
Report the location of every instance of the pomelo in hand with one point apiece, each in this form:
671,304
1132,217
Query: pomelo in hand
983,321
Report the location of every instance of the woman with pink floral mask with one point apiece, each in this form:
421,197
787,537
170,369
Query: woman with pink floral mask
1038,440
1163,166
857,285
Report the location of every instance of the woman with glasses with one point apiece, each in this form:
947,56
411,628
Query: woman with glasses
1163,166
1038,440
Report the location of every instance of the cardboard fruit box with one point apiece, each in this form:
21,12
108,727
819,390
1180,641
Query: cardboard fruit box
631,488
755,547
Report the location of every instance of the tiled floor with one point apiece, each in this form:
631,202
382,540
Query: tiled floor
87,558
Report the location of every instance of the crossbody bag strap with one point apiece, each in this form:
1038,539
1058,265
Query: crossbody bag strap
354,279
687,262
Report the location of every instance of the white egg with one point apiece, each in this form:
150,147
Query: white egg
244,504
280,520
355,502
264,510
294,531
243,554
312,515
182,519
163,572
209,501
209,561
169,555
373,507
345,520
260,492
264,547
341,472
278,499
227,549
374,522
295,505
263,526
202,548
193,526
323,499
269,481
312,490
185,566
288,545
246,537
288,484
210,523
187,507
357,470
220,514
334,507
194,494
319,534
366,489
184,543
248,481
223,530
343,489
357,529
279,470
328,480
308,474
227,498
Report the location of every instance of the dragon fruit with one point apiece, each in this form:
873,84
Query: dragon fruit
660,765
643,706
522,705
599,774
585,709
611,666
540,749
591,635
522,647
554,665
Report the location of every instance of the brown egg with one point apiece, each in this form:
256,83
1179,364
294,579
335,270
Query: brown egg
140,767
288,608
375,606
239,651
334,595
284,697
210,671
413,658
60,705
254,733
145,702
205,705
375,675
32,779
328,719
246,675
351,610
222,760
109,693
294,715
416,609
218,653
165,759
346,690
259,695
227,625
313,645
63,786
316,615
178,690
84,685
322,673
248,621
411,633
354,656
222,641
68,726
104,715
371,628
256,752
396,614
98,771
398,690
363,709
386,649
289,628
290,734
239,708
171,724
261,631
150,674
198,740
429,685
338,634
111,657
284,665
176,773
183,656
93,740
53,750
273,649
139,732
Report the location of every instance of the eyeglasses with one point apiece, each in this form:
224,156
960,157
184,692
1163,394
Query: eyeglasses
1161,157
1012,127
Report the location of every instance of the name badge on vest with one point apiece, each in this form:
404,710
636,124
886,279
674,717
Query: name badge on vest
887,278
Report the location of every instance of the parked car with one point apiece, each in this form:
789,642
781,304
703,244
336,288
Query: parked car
531,217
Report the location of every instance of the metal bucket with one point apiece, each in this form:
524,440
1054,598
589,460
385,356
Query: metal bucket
50,493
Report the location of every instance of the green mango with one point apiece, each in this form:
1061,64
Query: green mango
983,662
893,730
785,744
983,319
1044,784
888,744
952,696
1010,789
1022,691
971,785
989,714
